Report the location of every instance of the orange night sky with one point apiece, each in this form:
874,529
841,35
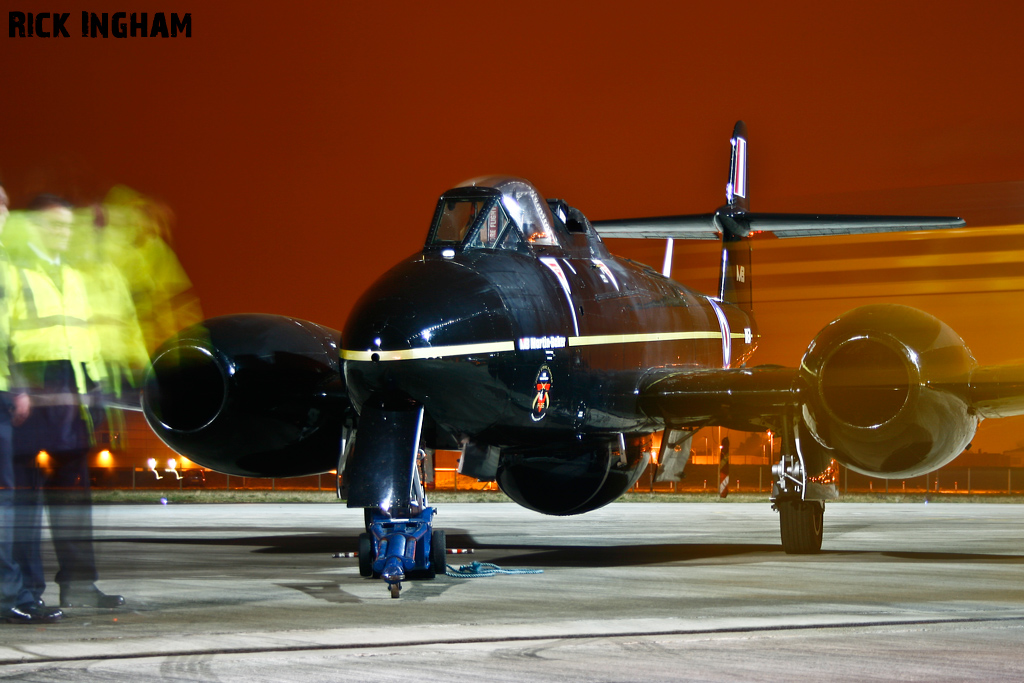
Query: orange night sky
302,145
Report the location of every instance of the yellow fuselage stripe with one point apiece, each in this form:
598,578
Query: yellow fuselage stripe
499,347
604,339
430,352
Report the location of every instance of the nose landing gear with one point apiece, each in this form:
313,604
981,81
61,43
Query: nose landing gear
385,479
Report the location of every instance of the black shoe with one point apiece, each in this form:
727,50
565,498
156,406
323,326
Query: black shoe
31,613
88,596
41,613
16,615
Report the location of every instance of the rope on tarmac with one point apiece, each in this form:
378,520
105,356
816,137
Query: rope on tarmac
478,570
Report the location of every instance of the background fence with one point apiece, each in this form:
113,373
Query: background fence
141,461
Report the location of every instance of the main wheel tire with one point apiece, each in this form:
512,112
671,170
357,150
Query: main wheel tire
438,551
801,523
429,572
366,557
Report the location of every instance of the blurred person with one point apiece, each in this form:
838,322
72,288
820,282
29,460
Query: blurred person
136,238
18,604
57,364
114,323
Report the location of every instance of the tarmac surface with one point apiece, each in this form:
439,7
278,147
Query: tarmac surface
635,591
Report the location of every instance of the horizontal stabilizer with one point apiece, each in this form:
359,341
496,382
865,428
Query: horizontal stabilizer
694,227
711,226
808,225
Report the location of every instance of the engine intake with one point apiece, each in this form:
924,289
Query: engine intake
865,382
887,392
189,388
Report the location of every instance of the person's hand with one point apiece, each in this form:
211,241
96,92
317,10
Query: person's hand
22,407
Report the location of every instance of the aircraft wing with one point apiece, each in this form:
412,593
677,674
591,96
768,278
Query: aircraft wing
710,226
998,390
758,398
748,399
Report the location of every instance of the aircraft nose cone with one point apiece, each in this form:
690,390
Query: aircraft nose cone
427,330
425,307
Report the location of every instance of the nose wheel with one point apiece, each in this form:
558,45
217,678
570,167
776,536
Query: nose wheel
438,551
396,549
366,555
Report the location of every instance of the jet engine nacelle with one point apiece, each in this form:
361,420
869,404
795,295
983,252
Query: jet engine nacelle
251,395
886,393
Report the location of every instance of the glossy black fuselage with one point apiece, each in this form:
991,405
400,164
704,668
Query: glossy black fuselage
493,320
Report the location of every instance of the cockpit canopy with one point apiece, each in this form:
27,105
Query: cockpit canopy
493,212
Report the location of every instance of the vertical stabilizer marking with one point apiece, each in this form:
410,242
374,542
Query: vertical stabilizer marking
739,173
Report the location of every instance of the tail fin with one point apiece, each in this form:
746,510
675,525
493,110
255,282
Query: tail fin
734,277
734,221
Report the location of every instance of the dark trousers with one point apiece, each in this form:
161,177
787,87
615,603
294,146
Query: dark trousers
63,485
28,524
69,504
13,591
64,488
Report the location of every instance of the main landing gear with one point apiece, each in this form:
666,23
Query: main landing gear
801,522
799,499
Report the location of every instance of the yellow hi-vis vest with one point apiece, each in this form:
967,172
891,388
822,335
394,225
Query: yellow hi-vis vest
115,325
52,324
5,319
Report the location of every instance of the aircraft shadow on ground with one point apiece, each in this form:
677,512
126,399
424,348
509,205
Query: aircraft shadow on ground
583,555
636,555
299,544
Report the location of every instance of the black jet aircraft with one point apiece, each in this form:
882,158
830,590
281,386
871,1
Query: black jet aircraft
517,338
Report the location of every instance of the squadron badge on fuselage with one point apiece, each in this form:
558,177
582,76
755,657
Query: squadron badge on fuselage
542,399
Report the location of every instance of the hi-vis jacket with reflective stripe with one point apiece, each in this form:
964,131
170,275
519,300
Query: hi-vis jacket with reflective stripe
5,320
51,323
